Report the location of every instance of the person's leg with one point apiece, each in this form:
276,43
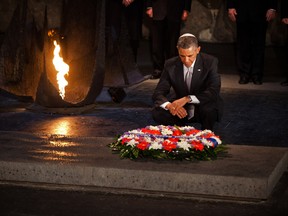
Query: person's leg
157,37
205,116
113,18
243,51
173,33
113,26
258,45
134,15
285,82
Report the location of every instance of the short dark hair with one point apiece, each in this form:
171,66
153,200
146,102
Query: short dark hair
186,41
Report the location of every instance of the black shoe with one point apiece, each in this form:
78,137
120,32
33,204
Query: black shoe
257,81
285,83
156,74
243,80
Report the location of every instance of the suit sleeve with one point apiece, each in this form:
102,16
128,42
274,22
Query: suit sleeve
210,88
272,4
187,5
231,4
284,9
148,3
162,89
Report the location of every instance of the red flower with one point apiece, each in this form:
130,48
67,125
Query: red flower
191,132
148,131
197,145
143,145
174,140
125,140
208,135
177,133
168,145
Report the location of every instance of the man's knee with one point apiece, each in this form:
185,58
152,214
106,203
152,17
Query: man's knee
158,115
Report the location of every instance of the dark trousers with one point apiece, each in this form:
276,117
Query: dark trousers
164,36
286,54
205,116
251,39
127,19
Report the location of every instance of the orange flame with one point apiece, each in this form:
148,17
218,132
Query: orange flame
62,69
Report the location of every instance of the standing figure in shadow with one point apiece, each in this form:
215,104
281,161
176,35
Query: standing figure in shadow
129,13
251,17
284,19
167,17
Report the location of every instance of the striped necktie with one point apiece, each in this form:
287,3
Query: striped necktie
188,78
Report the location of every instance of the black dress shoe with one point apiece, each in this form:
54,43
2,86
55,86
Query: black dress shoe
285,83
156,74
257,81
243,80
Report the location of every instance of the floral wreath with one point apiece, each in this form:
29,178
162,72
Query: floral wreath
168,142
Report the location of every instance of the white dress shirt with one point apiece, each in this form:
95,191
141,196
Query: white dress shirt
193,98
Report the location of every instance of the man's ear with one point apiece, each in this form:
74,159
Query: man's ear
198,49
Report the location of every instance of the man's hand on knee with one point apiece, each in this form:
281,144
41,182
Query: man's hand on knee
176,108
181,102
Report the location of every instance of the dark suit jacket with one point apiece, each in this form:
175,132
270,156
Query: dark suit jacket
284,8
205,85
170,9
252,10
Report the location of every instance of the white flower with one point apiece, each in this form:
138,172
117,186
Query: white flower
167,131
136,131
132,143
156,144
185,145
153,127
148,139
186,128
207,143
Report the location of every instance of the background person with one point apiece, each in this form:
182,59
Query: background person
167,17
132,13
284,19
251,17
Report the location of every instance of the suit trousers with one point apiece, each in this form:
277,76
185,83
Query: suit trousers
286,52
164,37
251,49
205,116
122,20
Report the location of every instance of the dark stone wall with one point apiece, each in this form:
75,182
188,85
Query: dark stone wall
210,23
208,20
36,7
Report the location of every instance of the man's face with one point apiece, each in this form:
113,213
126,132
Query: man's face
189,55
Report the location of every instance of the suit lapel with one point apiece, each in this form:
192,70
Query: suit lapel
196,73
179,77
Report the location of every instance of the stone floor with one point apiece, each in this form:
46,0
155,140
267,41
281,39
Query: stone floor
254,115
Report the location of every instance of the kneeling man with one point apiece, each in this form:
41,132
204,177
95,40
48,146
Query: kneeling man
189,87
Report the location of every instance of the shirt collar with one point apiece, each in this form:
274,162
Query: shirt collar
191,67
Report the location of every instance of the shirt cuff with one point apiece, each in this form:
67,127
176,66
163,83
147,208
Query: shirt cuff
194,99
164,105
